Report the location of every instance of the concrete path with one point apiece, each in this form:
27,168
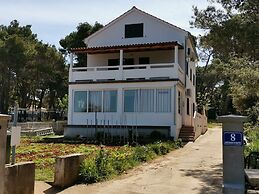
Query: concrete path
194,169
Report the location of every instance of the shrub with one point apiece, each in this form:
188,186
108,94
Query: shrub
104,164
107,163
89,172
143,154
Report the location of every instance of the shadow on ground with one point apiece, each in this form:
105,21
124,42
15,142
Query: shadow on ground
211,178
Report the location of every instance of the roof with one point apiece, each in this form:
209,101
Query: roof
127,13
128,48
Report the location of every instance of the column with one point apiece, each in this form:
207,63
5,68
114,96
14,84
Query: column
71,62
233,154
3,131
121,64
176,55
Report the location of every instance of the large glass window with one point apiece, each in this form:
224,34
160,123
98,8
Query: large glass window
95,101
147,100
110,101
80,101
163,100
130,100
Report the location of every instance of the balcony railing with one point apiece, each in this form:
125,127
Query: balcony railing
127,72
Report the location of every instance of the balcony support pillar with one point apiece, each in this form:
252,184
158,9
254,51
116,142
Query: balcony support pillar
71,61
176,55
121,64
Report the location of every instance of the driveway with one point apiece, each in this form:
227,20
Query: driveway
194,169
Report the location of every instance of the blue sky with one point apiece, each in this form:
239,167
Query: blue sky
52,20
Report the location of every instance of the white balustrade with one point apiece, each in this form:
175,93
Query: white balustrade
126,72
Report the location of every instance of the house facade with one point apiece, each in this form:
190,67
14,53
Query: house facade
140,75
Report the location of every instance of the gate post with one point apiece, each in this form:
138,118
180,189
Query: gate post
233,154
3,132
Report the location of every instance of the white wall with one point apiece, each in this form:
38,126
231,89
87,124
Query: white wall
188,119
154,31
154,57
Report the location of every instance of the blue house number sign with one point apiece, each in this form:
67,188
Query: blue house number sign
232,138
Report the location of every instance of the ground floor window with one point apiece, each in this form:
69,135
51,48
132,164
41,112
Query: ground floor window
95,101
131,101
110,101
143,100
80,101
147,100
163,100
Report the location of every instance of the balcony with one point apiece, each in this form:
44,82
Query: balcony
127,72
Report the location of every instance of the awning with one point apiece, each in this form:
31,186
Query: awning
128,48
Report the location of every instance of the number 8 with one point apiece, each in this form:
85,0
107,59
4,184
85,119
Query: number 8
233,137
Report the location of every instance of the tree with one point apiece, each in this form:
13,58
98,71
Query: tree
29,69
232,39
230,31
75,39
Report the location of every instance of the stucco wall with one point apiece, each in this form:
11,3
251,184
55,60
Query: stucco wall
154,57
154,31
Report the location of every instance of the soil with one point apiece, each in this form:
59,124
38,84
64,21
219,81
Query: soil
194,169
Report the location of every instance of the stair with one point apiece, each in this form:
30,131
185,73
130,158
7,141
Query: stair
187,133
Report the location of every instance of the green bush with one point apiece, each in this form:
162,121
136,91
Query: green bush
104,164
108,163
89,172
143,154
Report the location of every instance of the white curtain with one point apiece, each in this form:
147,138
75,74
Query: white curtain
147,100
95,101
131,101
163,100
110,101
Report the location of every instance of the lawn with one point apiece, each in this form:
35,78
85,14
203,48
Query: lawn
44,154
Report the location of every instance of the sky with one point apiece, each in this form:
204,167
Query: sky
52,20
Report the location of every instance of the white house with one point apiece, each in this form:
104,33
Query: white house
140,74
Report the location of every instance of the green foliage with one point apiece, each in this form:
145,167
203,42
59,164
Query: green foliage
75,39
89,171
63,103
229,83
108,163
231,30
26,61
252,135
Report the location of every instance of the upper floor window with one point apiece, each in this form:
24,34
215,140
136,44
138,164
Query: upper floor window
144,60
134,30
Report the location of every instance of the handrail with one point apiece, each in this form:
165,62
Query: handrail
125,67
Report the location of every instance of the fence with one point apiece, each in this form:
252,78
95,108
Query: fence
200,124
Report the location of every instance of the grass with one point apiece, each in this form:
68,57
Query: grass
44,154
103,162
213,123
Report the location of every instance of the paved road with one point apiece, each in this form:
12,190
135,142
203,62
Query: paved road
194,169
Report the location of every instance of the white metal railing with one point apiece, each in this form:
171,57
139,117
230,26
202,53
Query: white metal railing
148,71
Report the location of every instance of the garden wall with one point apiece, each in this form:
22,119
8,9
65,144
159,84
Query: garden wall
19,178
